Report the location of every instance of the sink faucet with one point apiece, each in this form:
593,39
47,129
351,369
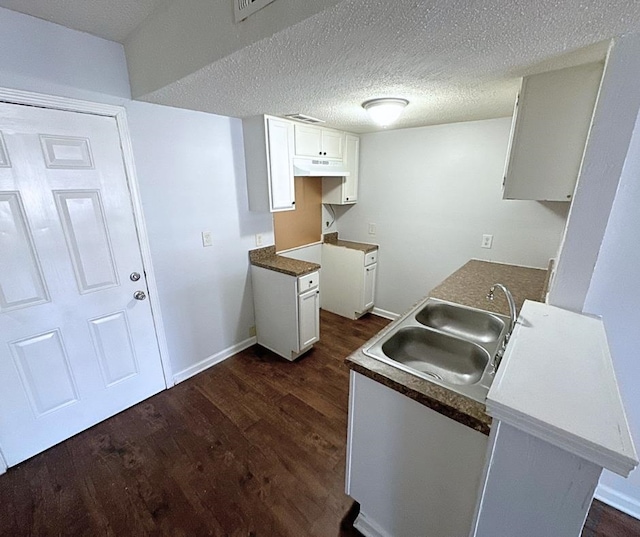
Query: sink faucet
512,307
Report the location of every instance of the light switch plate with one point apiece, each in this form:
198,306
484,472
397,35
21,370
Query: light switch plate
372,229
207,238
258,239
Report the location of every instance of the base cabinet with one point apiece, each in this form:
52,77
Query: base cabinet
349,280
287,311
412,470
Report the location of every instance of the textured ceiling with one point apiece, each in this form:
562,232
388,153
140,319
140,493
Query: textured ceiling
111,19
455,60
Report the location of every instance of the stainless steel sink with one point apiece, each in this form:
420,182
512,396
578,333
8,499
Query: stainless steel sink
449,359
448,344
466,323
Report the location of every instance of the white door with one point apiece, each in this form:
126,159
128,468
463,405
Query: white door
75,345
281,182
308,318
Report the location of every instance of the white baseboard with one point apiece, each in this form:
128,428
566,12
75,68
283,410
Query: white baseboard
368,527
385,314
213,360
618,500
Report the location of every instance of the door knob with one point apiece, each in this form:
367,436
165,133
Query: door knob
139,295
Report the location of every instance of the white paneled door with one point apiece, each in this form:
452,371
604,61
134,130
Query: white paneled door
76,346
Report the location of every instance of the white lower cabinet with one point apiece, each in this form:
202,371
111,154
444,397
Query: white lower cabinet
348,280
308,318
412,470
287,311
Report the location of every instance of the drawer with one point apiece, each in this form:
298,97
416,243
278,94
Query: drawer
308,281
370,258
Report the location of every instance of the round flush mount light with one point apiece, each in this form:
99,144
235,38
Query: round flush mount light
386,110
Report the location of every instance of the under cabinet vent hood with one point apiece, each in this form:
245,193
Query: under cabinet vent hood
318,168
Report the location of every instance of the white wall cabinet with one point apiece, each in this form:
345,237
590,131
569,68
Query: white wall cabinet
313,142
268,148
348,280
412,470
344,190
287,311
550,127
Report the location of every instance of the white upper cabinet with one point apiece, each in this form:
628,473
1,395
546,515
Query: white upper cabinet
344,190
313,141
268,149
550,128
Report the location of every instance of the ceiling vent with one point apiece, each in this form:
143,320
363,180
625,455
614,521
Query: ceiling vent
244,8
305,119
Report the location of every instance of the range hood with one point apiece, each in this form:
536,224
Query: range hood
318,168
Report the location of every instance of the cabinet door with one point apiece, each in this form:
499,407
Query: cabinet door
550,129
280,146
308,318
332,142
352,164
369,288
308,141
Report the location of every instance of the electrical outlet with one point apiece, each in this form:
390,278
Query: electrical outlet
258,239
207,239
372,229
487,241
252,331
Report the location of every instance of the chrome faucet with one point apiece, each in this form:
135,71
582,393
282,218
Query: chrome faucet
512,307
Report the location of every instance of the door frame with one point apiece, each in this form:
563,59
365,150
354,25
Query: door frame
13,96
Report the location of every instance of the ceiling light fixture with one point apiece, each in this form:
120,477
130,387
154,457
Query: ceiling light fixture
386,110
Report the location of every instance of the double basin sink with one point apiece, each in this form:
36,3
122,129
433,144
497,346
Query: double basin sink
448,344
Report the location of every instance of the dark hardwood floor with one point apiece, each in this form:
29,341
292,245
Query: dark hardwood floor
254,446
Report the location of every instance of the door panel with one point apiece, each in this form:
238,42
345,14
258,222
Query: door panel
21,280
44,369
85,230
114,346
75,346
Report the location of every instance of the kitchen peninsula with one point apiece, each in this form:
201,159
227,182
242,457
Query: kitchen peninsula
418,458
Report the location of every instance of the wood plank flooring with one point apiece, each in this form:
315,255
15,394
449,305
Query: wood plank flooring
254,446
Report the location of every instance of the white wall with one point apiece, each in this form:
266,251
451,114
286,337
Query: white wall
614,293
47,58
432,193
191,174
192,179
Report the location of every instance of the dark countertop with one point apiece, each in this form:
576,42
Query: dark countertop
332,238
467,286
267,258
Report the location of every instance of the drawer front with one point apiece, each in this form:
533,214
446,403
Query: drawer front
308,281
370,258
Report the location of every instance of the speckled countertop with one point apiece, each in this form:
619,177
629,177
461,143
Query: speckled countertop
332,238
267,258
467,286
